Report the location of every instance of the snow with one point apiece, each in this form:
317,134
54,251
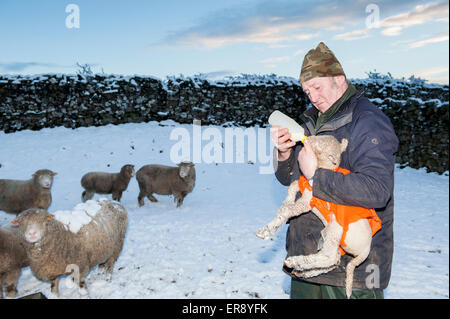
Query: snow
207,248
79,216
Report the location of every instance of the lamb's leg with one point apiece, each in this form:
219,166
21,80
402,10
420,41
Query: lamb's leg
288,209
313,272
10,282
327,257
355,262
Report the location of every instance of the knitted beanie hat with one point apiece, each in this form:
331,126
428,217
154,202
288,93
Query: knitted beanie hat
320,62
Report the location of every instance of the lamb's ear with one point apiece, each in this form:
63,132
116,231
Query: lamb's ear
50,216
344,144
333,159
15,222
54,174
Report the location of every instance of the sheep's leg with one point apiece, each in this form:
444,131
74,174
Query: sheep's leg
117,195
54,286
10,282
1,286
151,197
179,198
141,198
327,257
288,209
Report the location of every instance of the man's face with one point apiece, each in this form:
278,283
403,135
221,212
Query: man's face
322,92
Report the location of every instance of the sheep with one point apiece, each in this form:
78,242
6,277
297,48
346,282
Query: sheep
354,238
106,183
73,242
18,195
166,180
13,258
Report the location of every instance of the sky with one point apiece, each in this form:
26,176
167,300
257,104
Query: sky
224,38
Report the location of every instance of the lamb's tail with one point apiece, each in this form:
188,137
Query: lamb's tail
355,262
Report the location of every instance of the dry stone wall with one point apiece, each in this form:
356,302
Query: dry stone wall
418,111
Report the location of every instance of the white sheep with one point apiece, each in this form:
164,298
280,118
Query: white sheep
78,240
13,258
358,237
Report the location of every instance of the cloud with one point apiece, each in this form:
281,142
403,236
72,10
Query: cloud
434,39
273,22
434,75
421,14
21,66
353,35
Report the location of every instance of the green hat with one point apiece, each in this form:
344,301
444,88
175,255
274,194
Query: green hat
320,62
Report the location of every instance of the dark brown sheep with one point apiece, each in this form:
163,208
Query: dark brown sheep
166,180
106,183
13,258
18,195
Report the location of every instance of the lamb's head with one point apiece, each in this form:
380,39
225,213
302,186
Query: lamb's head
127,170
328,150
32,224
186,169
44,178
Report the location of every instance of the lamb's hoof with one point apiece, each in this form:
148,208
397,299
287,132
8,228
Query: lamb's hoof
292,262
264,233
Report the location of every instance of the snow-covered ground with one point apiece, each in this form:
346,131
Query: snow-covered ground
207,248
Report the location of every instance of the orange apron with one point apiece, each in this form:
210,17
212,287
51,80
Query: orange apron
345,215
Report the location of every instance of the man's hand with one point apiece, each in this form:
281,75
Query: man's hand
307,160
281,138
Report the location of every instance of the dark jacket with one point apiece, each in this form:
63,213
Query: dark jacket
370,157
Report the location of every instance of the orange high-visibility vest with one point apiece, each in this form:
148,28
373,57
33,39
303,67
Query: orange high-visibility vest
345,215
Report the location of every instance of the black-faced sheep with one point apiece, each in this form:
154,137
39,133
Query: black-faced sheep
359,223
106,183
18,195
13,258
92,234
166,180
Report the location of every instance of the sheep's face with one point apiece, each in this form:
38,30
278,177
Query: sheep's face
44,178
32,224
129,170
186,169
327,150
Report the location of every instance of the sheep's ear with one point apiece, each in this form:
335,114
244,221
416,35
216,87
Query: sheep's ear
344,144
15,222
54,174
34,175
50,216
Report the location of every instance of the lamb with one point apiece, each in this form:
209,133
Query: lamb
354,238
166,180
18,195
13,258
73,241
106,183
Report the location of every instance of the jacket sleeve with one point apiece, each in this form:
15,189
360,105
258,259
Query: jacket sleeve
370,183
287,171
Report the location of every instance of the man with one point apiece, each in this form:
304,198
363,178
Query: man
340,110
